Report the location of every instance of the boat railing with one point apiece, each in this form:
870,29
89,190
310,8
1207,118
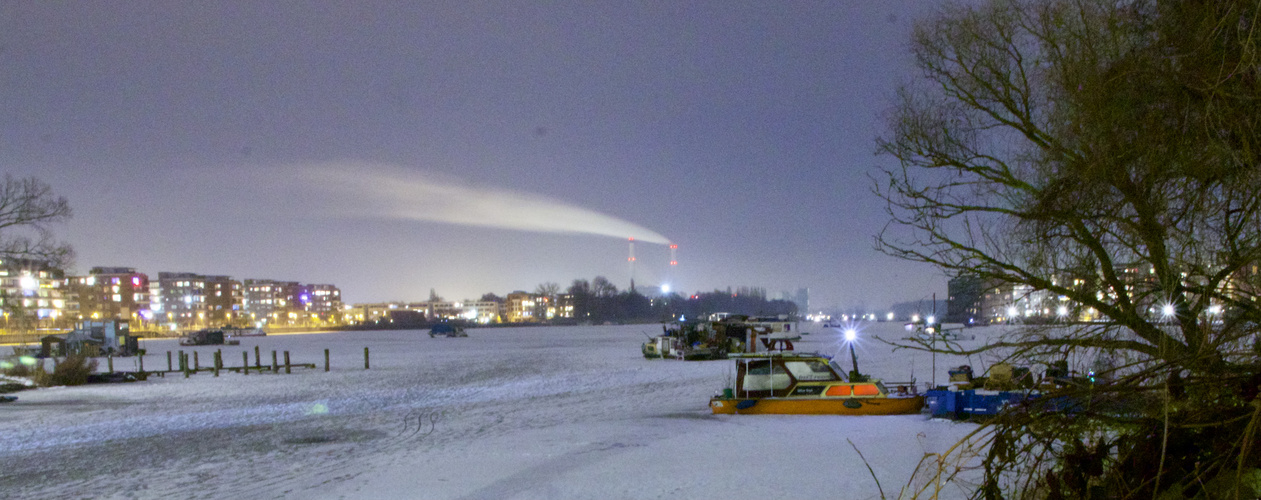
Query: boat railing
778,354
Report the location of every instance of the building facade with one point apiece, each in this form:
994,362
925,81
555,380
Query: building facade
963,302
271,302
188,300
31,295
111,293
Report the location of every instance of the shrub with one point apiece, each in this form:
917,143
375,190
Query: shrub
14,367
73,370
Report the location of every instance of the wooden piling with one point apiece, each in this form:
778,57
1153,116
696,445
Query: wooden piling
109,360
287,363
326,360
275,367
141,360
168,361
365,358
183,360
258,363
245,362
196,361
217,359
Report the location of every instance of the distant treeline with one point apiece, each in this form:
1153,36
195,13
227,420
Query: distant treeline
625,307
632,307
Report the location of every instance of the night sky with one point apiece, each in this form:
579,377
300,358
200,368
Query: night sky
391,148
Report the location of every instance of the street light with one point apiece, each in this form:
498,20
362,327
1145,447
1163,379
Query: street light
851,336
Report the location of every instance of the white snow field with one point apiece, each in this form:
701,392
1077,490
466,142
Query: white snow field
507,413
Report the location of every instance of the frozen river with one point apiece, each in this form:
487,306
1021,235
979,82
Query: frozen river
547,412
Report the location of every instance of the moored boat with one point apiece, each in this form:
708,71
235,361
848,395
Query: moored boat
244,332
446,330
704,340
808,384
207,336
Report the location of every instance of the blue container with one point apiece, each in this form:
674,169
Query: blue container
983,404
990,403
943,403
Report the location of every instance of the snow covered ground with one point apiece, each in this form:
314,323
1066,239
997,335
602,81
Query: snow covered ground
565,412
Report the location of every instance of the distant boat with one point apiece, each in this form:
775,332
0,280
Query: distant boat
702,340
244,332
446,330
209,336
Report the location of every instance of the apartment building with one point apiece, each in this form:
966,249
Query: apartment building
31,294
110,293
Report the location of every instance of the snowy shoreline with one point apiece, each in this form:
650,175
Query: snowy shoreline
551,412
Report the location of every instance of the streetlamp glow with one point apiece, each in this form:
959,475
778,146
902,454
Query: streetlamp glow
851,336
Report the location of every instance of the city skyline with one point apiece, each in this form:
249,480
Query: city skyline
392,149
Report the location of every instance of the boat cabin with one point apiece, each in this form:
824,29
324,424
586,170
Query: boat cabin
763,375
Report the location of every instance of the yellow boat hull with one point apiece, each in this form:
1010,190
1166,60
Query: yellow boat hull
817,406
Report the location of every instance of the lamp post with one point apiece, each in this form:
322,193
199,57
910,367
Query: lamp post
851,335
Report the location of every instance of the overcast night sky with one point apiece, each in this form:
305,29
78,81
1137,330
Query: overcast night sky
391,148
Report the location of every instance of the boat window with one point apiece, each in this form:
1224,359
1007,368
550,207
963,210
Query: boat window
840,390
866,390
837,368
763,376
810,370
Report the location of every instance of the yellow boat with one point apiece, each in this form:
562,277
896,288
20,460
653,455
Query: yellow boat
808,384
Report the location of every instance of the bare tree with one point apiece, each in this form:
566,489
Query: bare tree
547,293
28,210
547,289
1105,152
602,287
